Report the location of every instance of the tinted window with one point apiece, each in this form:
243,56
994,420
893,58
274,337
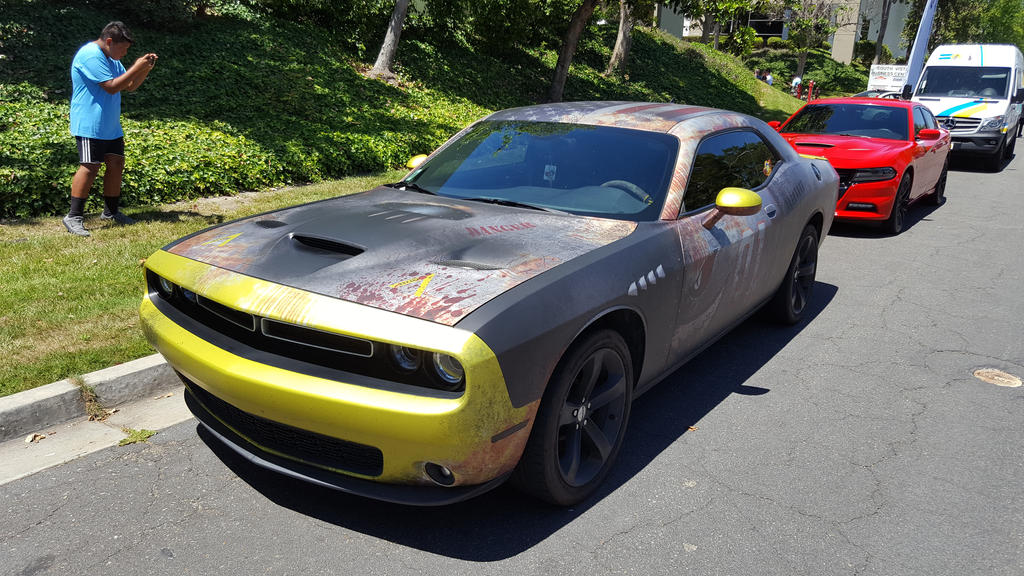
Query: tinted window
871,120
919,122
964,82
738,158
589,170
929,119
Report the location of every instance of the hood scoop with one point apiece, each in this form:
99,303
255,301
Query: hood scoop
815,144
326,245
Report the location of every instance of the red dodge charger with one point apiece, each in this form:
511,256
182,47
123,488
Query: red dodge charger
888,153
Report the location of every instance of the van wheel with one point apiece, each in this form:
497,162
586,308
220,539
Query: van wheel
995,161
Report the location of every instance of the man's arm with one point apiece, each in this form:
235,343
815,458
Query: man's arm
133,77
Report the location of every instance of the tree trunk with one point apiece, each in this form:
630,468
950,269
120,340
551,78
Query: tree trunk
886,4
386,57
624,40
801,62
572,37
718,32
705,28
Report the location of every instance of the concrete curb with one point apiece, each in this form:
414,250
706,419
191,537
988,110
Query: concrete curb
52,404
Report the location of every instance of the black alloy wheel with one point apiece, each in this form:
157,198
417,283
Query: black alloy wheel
790,300
938,197
897,218
581,421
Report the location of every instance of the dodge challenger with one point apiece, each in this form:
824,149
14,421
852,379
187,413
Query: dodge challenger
493,315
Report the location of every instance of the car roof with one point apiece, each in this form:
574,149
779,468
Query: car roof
649,116
867,100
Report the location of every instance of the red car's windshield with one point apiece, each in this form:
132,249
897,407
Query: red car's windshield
846,119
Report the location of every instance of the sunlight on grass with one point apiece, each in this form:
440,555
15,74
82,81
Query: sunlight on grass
69,305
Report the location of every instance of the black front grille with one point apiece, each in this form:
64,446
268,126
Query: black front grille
845,179
303,445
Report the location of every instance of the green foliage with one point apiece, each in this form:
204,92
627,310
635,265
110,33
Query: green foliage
831,77
742,41
864,53
778,43
243,100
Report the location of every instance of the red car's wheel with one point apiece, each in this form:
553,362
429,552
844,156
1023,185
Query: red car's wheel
938,198
894,224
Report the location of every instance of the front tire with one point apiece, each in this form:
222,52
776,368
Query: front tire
995,161
581,421
790,300
898,216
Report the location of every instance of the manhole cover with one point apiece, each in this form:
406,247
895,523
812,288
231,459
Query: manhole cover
997,377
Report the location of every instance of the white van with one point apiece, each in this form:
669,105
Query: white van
977,91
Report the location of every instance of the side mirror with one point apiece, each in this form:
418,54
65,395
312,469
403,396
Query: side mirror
1019,96
928,134
415,161
733,202
775,124
907,92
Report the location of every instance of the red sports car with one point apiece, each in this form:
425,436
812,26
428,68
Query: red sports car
888,153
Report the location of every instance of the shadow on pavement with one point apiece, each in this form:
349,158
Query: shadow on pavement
503,522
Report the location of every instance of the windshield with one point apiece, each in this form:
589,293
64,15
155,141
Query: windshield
589,170
868,120
964,82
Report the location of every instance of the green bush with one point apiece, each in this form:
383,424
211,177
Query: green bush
780,44
742,41
864,53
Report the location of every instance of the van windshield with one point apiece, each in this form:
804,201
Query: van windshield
964,82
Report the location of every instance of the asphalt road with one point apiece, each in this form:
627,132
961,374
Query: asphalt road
856,443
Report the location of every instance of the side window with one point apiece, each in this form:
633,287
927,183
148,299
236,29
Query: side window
929,120
739,158
919,123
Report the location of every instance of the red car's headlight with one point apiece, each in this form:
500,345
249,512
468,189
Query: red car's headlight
873,175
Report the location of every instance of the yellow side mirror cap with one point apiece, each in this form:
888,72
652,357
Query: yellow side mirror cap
415,161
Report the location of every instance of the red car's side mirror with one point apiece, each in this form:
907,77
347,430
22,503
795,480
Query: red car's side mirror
775,124
928,134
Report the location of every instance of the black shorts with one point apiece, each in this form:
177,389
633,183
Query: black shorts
92,150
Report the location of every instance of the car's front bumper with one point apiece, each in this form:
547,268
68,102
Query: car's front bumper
478,435
867,201
981,144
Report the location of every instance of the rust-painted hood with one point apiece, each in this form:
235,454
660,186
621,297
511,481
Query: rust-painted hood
427,256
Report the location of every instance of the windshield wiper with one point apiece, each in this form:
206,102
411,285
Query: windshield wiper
404,185
512,203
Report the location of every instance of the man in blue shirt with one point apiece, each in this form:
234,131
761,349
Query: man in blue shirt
97,79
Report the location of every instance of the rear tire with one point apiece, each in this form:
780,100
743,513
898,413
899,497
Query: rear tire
790,300
898,216
938,197
581,421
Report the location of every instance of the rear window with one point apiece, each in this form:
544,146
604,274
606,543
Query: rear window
866,120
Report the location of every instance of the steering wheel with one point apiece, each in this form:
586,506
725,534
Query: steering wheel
631,188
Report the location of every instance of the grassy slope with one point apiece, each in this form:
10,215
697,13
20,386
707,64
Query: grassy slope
276,92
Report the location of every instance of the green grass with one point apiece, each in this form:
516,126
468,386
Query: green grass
70,305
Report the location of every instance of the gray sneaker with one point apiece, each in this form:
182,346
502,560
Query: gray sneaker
75,226
118,218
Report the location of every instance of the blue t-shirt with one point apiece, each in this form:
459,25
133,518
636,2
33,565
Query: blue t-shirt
94,112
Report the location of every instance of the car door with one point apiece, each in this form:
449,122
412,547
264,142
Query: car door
721,264
927,161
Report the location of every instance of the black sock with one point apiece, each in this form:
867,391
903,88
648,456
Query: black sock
77,207
111,202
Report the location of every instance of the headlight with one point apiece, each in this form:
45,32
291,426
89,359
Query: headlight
405,359
993,123
873,174
165,287
448,369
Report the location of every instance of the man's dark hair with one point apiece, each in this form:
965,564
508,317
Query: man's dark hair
117,32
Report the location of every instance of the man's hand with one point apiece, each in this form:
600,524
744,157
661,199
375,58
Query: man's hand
147,60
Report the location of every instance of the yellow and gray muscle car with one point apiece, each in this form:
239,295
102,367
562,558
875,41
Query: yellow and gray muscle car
493,314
